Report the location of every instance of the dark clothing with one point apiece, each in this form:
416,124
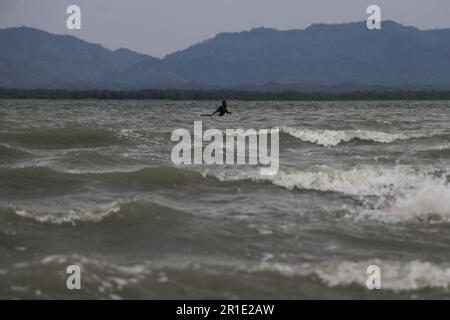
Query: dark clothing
222,110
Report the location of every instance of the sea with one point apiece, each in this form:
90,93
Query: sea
91,183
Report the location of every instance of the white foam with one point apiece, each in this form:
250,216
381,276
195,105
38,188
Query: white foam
395,275
428,203
131,134
109,278
360,180
72,216
399,193
329,138
440,147
5,145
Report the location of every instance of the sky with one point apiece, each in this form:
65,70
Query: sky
159,27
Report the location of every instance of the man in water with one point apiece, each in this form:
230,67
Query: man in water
221,110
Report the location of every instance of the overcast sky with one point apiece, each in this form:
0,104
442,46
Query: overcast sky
158,27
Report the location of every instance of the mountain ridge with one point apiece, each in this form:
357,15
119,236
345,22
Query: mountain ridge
320,55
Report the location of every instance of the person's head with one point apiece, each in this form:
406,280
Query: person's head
224,103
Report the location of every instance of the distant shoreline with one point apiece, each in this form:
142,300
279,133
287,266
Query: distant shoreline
175,94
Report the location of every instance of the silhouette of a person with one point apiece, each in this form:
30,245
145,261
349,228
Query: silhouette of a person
221,110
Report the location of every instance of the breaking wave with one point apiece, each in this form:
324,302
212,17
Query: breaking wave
360,180
396,276
330,138
399,193
429,202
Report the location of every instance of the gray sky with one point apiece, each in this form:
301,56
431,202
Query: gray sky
158,27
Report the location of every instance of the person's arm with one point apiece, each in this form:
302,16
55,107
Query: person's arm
229,112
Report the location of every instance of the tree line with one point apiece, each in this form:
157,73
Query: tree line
174,94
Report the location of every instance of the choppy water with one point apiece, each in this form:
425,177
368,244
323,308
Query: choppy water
91,183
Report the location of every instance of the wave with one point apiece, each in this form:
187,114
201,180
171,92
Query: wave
437,152
151,177
95,137
81,213
330,138
140,135
360,180
62,137
72,216
111,277
8,154
37,181
396,276
400,193
46,179
429,202
104,279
